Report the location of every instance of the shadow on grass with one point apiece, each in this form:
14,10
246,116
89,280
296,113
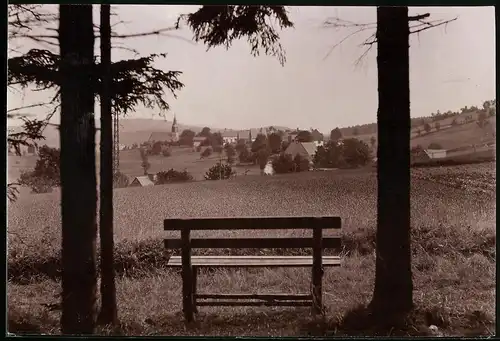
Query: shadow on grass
356,322
298,322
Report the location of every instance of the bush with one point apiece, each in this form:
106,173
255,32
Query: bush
217,148
355,152
349,153
434,145
198,149
301,163
171,176
38,184
219,172
207,152
262,157
166,153
283,164
46,173
329,156
120,180
245,155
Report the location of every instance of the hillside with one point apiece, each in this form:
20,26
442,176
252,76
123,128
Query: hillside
134,130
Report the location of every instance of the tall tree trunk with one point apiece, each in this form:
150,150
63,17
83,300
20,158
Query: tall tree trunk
393,278
108,313
78,173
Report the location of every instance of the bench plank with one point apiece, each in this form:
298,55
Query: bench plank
265,297
256,303
254,261
258,243
253,223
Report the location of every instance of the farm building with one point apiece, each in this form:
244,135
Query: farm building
143,181
425,155
304,149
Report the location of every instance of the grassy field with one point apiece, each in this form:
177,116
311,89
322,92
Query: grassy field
130,163
453,255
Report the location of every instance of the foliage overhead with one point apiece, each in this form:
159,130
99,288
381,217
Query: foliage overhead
135,81
222,24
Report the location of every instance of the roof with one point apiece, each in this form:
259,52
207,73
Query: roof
435,153
310,147
142,181
161,136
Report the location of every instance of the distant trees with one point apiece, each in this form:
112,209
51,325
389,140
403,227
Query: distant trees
230,153
482,119
245,156
207,152
219,172
145,165
274,141
427,128
350,153
120,180
171,176
46,174
240,145
166,152
186,138
259,143
216,139
355,152
335,134
205,132
285,163
355,131
262,158
301,163
156,148
304,136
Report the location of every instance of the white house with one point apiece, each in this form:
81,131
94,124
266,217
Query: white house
229,136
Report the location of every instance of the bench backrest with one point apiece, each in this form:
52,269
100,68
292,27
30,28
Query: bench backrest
316,224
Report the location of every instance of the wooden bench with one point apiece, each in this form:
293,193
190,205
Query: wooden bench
190,264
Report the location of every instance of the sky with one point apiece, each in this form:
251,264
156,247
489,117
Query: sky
450,67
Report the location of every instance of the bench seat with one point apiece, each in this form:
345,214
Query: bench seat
254,261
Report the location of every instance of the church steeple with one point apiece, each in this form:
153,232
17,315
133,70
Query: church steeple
175,129
174,125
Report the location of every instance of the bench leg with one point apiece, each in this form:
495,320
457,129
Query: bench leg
317,272
195,277
187,293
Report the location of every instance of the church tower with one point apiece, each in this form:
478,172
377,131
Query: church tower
175,129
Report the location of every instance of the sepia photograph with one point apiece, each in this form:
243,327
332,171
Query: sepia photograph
251,171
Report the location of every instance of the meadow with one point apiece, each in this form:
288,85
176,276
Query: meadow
453,243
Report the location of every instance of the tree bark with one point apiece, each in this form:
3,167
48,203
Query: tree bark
393,292
78,173
108,313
